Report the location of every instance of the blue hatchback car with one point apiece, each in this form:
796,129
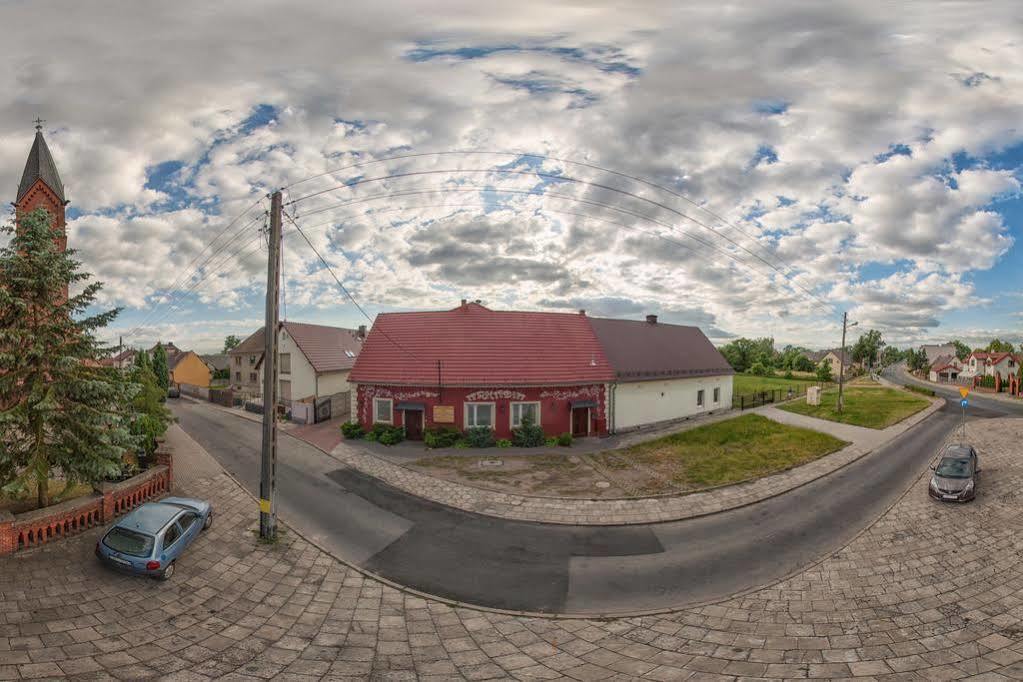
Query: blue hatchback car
150,539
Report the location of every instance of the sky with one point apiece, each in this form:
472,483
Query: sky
754,169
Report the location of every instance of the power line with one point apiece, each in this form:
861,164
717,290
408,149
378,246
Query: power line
564,178
345,289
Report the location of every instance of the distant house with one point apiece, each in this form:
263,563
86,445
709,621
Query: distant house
834,358
168,348
217,362
124,359
945,369
185,367
244,360
980,363
934,352
476,367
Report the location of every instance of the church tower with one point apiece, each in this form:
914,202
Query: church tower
41,187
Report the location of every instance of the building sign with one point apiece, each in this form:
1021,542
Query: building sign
444,414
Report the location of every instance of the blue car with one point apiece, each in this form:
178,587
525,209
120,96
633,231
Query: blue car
150,539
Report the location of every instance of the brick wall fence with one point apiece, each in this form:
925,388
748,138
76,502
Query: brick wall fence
108,501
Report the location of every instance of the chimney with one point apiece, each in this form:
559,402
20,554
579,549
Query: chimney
582,311
464,304
362,331
652,319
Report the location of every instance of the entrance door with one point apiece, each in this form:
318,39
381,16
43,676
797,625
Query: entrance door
414,424
580,422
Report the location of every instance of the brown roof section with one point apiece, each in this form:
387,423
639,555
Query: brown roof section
328,349
639,351
253,343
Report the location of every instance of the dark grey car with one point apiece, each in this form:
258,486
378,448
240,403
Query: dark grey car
955,475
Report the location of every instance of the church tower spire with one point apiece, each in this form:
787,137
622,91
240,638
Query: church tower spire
41,187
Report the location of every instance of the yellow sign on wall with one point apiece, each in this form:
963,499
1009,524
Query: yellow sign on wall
444,414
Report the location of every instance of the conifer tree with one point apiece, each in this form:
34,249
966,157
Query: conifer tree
60,410
160,368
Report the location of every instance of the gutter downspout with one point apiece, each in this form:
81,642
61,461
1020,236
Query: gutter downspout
611,405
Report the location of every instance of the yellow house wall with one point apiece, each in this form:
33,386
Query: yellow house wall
191,370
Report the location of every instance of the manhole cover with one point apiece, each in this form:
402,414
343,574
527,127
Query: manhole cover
603,484
491,463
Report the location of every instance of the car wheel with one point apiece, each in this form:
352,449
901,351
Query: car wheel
167,572
209,520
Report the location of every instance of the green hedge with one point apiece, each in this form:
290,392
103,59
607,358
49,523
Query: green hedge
920,389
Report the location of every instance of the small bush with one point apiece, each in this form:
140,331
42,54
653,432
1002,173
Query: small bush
565,440
462,445
788,374
504,443
920,389
392,436
479,437
551,442
441,436
529,435
352,430
761,370
371,437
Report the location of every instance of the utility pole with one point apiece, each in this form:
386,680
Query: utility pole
841,363
268,470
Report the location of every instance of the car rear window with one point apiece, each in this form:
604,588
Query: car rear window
129,542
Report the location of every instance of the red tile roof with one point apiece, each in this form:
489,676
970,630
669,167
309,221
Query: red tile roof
477,346
328,349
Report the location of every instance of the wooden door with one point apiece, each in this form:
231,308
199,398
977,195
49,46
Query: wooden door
580,421
414,424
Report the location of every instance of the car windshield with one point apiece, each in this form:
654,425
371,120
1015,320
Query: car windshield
954,467
129,542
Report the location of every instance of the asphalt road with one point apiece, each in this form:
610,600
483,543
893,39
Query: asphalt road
580,570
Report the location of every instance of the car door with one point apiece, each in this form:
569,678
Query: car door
171,543
190,525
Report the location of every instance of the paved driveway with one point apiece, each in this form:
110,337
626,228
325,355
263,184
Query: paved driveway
929,592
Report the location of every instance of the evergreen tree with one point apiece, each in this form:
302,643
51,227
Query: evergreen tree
160,368
150,416
60,410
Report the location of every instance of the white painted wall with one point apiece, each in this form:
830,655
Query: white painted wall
302,376
646,402
334,382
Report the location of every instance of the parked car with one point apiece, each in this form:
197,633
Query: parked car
955,475
173,391
151,538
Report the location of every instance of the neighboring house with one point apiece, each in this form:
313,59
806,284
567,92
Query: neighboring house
314,362
934,352
126,358
187,368
980,363
833,358
168,348
472,366
946,369
244,361
217,362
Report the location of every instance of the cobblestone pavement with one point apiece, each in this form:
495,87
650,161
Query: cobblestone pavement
599,512
930,592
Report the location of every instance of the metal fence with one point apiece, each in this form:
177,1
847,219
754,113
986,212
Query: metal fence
747,401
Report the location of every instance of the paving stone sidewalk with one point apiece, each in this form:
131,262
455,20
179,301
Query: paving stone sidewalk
599,512
929,592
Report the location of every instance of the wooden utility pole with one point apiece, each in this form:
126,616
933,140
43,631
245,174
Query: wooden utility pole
268,470
841,364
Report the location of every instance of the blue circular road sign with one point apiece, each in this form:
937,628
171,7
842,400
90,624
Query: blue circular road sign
964,402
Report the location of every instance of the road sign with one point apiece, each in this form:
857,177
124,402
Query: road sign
964,403
963,391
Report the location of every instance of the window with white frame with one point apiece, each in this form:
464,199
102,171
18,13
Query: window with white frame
382,410
520,411
717,395
699,398
479,414
285,366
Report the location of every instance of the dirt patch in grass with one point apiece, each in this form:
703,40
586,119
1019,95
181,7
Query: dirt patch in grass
27,501
874,408
716,454
730,451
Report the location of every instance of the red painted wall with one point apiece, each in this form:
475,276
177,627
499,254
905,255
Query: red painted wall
555,412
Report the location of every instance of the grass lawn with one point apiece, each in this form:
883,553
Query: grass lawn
27,501
745,384
730,451
875,408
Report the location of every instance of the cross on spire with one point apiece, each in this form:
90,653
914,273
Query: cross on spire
39,124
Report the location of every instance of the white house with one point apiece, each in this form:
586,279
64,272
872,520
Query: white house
946,369
314,362
981,363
